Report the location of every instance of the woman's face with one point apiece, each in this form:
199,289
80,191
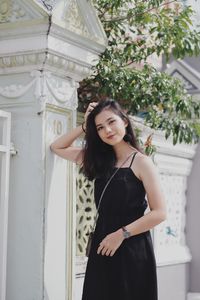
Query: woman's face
111,128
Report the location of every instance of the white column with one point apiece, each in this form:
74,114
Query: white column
5,122
43,56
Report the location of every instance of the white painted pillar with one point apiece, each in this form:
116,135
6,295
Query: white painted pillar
5,123
43,56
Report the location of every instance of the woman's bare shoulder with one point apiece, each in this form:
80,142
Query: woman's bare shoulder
143,159
143,164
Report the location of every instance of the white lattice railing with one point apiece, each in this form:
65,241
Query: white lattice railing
85,211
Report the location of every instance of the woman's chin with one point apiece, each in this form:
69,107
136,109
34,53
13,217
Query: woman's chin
113,141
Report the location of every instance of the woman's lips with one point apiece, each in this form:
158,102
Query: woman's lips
110,136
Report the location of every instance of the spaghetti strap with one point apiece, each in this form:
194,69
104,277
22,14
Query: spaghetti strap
132,159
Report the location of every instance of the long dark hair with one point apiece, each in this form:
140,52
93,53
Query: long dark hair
99,158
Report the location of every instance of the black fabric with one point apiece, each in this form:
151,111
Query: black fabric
131,273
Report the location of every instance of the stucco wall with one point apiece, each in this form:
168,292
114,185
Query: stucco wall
173,282
193,222
25,219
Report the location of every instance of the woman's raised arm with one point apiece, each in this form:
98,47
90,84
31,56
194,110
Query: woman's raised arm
63,146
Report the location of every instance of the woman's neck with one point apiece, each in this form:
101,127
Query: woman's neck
122,150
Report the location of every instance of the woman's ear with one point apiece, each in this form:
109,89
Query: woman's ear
125,122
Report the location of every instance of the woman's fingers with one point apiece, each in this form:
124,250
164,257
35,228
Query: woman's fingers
104,249
99,249
112,252
90,108
110,243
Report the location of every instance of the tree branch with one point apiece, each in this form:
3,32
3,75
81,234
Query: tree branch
117,19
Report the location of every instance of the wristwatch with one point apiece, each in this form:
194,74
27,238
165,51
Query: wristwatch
126,233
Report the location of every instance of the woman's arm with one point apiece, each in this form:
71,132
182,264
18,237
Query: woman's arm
157,214
64,148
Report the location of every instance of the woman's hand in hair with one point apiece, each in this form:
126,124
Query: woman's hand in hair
90,108
111,243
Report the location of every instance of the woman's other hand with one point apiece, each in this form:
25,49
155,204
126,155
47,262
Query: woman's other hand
111,243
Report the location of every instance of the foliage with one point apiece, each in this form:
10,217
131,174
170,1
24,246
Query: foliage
136,31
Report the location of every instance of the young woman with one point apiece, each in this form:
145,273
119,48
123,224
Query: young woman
121,264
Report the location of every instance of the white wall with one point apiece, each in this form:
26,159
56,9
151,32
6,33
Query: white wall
25,227
193,222
173,282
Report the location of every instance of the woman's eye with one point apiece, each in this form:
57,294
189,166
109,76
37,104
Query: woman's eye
99,128
111,121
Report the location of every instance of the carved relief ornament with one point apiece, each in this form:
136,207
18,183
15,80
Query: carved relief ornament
74,20
5,10
63,91
47,89
11,11
64,65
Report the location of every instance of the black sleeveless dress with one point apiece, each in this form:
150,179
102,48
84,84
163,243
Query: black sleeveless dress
130,274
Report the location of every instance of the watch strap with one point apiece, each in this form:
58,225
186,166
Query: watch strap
126,233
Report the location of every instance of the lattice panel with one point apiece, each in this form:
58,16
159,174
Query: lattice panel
85,212
171,232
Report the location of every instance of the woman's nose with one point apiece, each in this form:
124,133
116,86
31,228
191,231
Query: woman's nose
107,129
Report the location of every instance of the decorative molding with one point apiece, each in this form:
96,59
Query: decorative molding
63,65
188,85
23,59
188,69
12,11
63,91
16,11
48,89
14,91
68,65
186,73
95,44
74,19
70,52
5,11
78,18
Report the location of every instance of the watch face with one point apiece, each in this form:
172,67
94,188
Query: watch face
126,234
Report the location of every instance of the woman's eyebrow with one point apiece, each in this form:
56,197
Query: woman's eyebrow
104,122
